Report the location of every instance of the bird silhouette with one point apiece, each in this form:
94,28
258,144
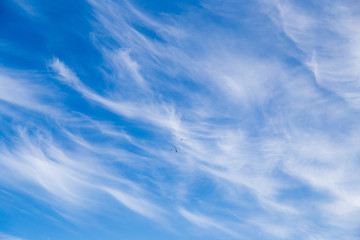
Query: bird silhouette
175,149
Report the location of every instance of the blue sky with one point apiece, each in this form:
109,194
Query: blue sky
261,100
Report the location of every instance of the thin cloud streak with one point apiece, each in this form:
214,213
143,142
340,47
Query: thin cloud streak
204,221
4,236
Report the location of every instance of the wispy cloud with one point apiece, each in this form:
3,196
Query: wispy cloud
39,167
34,161
330,44
263,154
4,236
158,114
137,204
204,221
27,7
260,100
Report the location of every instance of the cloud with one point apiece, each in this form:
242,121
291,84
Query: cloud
13,90
65,180
334,62
123,57
261,124
27,7
34,159
136,204
264,97
204,221
159,114
4,236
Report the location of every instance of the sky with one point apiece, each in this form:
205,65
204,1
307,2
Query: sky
202,119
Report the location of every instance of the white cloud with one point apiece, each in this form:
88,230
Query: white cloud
330,45
64,179
255,127
123,57
269,116
4,236
137,204
161,115
27,7
204,221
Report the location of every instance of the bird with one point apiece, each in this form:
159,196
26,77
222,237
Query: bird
175,149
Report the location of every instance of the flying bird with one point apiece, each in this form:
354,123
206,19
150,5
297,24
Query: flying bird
174,149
